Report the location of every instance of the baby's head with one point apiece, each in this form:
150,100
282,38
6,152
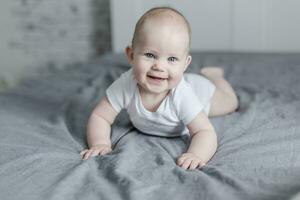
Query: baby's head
159,53
164,17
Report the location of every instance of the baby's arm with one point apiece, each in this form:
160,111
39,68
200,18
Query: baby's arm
98,130
203,144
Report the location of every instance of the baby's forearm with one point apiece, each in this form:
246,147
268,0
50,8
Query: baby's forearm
203,145
98,131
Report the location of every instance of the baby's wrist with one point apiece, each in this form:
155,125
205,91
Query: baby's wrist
100,145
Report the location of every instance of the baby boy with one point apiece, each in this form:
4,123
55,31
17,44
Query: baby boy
159,98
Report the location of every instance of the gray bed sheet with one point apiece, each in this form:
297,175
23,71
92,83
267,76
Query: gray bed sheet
42,131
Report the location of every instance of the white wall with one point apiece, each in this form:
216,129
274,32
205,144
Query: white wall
227,25
36,34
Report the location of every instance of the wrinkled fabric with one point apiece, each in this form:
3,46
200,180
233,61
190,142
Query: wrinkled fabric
42,131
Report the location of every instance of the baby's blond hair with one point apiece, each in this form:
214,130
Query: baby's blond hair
158,11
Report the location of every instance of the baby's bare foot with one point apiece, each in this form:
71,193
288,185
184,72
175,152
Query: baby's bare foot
212,72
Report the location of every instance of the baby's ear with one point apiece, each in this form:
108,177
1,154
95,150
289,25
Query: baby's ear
188,61
129,54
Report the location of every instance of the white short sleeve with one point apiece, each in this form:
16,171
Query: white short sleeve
186,102
120,92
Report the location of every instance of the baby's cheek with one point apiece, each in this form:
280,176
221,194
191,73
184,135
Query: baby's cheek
140,68
137,71
174,81
176,78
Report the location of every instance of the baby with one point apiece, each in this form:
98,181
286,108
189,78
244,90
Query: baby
158,97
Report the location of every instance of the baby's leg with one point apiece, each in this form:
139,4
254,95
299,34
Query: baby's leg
224,100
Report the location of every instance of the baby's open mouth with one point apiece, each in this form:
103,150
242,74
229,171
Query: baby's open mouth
156,78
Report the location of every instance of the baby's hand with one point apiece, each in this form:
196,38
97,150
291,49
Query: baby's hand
96,150
189,161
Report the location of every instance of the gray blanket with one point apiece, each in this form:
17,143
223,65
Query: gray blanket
42,131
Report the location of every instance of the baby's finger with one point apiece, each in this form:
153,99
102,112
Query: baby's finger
87,154
194,164
83,152
202,164
95,153
181,160
186,163
104,151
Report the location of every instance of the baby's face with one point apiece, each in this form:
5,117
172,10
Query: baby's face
160,56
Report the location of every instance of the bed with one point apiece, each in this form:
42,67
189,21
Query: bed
42,131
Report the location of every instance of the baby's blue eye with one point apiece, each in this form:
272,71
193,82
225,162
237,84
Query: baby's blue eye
172,59
149,55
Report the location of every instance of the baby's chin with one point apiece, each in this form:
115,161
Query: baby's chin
153,89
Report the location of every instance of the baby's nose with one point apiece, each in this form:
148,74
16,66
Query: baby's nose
158,66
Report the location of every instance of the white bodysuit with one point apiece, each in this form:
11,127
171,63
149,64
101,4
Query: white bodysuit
179,108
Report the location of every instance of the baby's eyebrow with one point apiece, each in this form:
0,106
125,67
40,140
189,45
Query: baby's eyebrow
174,55
149,50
